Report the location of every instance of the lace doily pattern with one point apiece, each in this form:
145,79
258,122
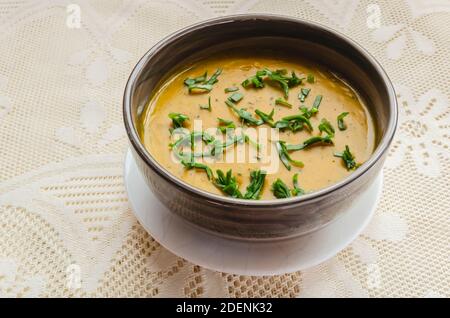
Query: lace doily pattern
65,222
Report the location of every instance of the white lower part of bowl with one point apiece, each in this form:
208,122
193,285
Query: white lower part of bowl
243,257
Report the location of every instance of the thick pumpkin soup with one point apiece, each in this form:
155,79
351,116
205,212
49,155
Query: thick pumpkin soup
257,127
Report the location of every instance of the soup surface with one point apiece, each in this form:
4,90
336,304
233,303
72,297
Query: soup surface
319,131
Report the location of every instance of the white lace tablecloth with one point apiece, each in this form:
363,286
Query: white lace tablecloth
66,228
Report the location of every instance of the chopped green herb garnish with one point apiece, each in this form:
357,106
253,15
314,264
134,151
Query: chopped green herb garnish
236,97
250,141
310,78
244,115
317,101
218,147
267,118
308,113
197,80
196,134
254,189
340,121
297,190
284,81
190,140
213,79
294,80
303,94
192,148
282,102
227,183
200,88
201,84
277,76
325,126
178,119
256,80
284,124
296,122
309,142
280,189
285,157
348,158
225,124
207,107
231,89
191,164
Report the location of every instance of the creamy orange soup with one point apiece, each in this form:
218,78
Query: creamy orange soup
315,96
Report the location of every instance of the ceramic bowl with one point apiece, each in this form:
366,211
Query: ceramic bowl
260,219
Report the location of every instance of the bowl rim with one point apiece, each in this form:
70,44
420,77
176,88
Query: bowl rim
219,199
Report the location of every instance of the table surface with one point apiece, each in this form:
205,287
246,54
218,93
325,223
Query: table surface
66,228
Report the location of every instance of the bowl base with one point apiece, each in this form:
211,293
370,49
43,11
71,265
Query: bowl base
245,257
